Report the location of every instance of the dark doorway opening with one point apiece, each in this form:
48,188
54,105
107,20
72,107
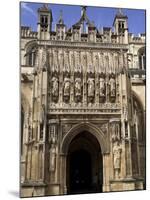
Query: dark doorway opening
84,165
80,171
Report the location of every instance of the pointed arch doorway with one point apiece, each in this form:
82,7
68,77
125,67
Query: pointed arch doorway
84,166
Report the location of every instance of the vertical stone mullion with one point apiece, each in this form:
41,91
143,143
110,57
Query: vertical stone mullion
106,172
96,88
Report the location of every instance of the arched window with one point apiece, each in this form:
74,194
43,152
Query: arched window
142,60
44,22
30,56
138,138
138,118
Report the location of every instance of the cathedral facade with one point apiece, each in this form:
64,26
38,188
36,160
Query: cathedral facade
82,107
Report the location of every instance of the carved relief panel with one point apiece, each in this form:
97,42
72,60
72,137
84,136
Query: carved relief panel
78,77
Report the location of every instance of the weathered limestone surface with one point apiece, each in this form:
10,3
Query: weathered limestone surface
82,90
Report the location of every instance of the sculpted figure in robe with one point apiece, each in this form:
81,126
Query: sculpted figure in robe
117,158
102,86
55,86
91,88
112,84
77,87
66,87
52,163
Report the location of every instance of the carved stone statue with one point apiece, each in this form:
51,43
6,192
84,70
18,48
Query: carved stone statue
117,158
52,163
91,88
77,87
66,87
112,84
129,61
55,86
102,86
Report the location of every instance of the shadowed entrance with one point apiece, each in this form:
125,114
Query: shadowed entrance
80,171
84,165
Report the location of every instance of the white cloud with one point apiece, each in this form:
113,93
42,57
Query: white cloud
25,7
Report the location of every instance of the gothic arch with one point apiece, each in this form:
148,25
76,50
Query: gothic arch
30,44
141,58
30,49
141,50
92,129
138,109
137,98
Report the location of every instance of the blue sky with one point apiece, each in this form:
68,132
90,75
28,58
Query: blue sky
103,17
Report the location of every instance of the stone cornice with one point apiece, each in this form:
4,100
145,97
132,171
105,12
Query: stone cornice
84,111
84,45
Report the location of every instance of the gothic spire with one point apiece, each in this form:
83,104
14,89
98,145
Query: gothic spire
61,21
44,7
83,11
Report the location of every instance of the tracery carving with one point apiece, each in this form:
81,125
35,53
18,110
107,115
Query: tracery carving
55,66
115,131
104,128
66,128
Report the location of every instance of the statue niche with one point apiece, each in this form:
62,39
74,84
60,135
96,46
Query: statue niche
66,89
102,88
52,150
55,86
78,89
117,158
112,86
91,89
52,163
